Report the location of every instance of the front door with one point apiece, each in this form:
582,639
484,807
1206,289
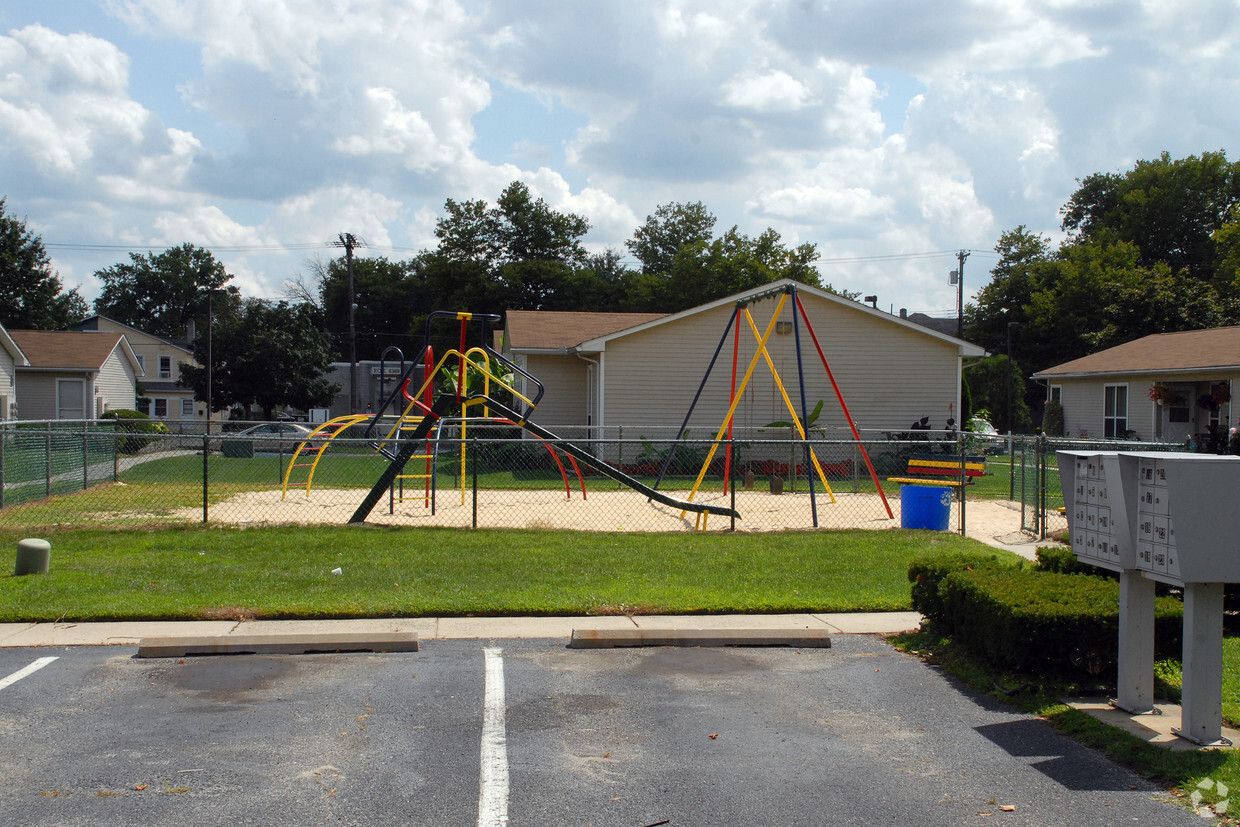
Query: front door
71,399
1179,413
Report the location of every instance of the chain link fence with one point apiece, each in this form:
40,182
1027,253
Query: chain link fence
1033,473
477,474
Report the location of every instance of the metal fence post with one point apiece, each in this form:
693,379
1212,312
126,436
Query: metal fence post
206,452
731,484
3,475
85,456
47,458
1012,468
474,455
1022,486
964,480
1042,486
116,451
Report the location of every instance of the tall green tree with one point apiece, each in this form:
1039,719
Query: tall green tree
32,296
1168,208
159,293
670,228
264,355
390,298
518,228
989,389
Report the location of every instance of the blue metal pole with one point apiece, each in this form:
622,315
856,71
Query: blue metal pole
809,465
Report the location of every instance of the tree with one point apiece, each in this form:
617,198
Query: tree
517,228
32,295
733,263
390,299
672,226
160,293
988,389
264,354
1169,209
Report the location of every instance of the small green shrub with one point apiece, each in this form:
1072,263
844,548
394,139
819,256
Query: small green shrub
1052,419
136,423
1026,620
1061,560
925,573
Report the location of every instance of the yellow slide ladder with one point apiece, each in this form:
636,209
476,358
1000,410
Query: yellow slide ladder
330,429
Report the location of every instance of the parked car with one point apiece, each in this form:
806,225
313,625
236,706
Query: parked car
983,435
275,437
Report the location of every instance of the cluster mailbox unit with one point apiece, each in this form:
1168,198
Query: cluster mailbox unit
1165,517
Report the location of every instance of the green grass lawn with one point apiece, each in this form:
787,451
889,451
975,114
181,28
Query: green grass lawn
198,572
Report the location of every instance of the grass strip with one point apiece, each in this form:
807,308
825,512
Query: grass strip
285,572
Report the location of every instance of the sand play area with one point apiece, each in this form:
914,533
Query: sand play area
997,523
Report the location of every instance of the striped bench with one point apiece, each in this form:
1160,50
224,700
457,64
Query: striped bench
941,469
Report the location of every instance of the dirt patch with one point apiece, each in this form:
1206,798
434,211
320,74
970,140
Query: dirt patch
599,510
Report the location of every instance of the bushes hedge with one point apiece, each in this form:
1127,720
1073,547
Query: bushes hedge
1024,619
134,422
925,573
1035,619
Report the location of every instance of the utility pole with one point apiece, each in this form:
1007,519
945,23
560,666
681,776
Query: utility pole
960,257
348,242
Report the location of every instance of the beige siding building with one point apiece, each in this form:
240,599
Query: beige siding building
1169,387
74,374
604,372
159,362
11,357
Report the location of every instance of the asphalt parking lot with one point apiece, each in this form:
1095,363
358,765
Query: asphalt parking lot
529,732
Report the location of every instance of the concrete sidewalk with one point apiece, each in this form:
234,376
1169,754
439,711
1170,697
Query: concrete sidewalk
446,628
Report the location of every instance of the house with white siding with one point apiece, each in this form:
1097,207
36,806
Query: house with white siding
11,357
159,360
1167,387
75,374
641,372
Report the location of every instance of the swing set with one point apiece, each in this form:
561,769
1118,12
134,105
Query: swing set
741,315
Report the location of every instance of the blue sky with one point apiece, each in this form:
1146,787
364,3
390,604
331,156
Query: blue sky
880,132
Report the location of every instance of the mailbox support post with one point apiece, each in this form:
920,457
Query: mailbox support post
1135,682
1201,697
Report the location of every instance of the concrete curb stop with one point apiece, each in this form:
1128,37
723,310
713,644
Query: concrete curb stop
276,643
616,638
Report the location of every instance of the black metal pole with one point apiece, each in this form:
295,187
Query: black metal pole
206,452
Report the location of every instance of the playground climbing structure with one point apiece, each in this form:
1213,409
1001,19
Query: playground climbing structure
449,393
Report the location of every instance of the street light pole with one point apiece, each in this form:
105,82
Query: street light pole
348,242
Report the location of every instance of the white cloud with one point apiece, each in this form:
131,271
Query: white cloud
299,120
766,91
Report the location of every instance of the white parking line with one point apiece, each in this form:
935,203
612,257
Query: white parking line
493,784
25,672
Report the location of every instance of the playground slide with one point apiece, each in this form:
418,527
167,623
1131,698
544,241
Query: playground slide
410,444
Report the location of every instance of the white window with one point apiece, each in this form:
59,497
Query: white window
144,406
187,409
70,398
1056,394
165,367
161,408
1115,412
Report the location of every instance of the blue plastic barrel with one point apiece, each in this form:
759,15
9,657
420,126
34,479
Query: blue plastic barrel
925,506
